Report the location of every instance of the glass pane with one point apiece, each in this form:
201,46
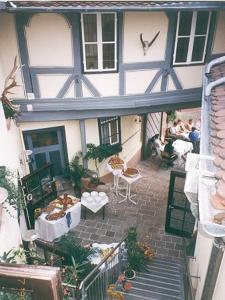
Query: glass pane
90,27
56,161
114,134
179,184
182,49
105,133
185,23
91,57
198,48
40,160
43,139
202,22
108,56
108,31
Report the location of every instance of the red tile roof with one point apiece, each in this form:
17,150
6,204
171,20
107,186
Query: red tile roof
116,4
217,133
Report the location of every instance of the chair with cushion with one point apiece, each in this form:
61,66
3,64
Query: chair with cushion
167,159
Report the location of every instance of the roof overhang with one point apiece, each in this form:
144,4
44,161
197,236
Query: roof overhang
81,6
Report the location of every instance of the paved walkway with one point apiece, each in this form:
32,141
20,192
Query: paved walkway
148,215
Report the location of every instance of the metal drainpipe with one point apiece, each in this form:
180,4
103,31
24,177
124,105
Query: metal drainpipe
213,269
213,84
214,62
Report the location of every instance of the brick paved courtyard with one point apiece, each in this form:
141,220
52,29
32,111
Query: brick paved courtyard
148,215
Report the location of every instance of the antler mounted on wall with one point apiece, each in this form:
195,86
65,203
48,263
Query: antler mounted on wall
146,44
10,109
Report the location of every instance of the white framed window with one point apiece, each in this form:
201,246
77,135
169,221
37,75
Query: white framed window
191,37
99,41
109,130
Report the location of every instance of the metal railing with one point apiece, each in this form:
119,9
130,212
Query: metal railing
94,286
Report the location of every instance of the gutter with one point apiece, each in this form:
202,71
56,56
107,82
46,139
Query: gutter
207,5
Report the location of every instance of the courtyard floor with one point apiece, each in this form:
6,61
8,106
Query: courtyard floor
148,215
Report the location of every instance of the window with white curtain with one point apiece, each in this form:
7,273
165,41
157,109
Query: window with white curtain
109,130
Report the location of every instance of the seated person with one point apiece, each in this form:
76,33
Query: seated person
174,129
157,144
189,125
180,126
169,148
168,153
194,137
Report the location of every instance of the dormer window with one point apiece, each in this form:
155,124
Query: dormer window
191,37
99,39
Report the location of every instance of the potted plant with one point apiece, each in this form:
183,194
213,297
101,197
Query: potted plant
138,254
98,154
79,176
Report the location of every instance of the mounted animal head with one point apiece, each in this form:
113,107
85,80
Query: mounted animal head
10,82
146,44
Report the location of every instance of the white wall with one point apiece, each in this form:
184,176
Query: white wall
219,292
128,128
199,266
138,81
51,84
219,41
72,131
148,23
9,50
49,40
190,76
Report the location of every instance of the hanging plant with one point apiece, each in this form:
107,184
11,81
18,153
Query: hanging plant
7,181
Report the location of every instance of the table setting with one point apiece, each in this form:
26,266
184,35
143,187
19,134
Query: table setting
61,215
94,201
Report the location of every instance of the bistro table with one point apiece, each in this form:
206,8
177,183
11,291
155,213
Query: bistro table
129,181
116,176
181,148
50,230
90,202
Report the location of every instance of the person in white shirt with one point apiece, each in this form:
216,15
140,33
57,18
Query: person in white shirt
174,129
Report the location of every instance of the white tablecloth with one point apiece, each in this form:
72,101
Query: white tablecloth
182,147
94,206
50,230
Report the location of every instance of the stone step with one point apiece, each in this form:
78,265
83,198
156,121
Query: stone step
156,262
158,281
156,295
160,268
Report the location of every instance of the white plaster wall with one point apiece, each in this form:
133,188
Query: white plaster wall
106,84
131,144
9,50
72,131
190,77
86,92
170,85
71,91
199,266
148,23
219,292
50,85
49,40
131,137
219,41
138,81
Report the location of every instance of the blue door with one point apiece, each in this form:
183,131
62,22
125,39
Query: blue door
48,146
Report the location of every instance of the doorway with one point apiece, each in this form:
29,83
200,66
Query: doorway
48,146
179,219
